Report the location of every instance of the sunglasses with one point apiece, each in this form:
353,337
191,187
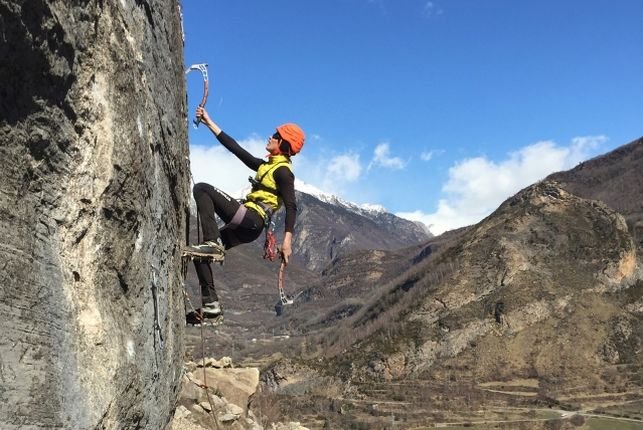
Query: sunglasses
276,136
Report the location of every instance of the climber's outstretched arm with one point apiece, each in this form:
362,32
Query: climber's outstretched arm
230,144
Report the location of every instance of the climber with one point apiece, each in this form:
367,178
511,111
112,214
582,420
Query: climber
273,185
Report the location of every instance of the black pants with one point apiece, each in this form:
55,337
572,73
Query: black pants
211,201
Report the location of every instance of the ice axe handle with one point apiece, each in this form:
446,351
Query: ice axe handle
196,121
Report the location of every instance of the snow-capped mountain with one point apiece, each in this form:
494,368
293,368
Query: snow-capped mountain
328,226
335,200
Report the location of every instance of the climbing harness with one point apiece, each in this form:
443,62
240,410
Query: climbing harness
203,68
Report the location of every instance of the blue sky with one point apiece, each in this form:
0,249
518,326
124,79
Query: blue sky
436,110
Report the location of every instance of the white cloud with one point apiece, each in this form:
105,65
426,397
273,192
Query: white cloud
382,157
427,155
431,8
477,186
581,146
345,167
330,173
219,167
339,171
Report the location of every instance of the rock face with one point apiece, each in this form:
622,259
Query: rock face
216,395
93,204
210,388
613,178
545,255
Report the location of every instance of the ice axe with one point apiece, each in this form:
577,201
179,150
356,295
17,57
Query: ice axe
203,68
285,300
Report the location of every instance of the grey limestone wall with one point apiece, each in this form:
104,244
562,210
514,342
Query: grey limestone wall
94,188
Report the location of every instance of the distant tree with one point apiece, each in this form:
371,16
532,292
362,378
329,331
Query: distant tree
556,424
577,420
266,407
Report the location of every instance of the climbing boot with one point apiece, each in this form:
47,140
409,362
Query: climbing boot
211,310
210,250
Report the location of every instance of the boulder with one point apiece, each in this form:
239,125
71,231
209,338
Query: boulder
235,385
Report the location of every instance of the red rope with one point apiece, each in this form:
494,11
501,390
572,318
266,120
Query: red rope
270,246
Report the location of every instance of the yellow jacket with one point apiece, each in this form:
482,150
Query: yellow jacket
264,196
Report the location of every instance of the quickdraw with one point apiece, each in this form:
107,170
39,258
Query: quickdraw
203,68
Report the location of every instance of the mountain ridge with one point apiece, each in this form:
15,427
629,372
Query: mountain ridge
544,292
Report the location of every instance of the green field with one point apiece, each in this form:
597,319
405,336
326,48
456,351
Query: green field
607,424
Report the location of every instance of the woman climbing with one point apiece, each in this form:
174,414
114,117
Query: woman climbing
272,187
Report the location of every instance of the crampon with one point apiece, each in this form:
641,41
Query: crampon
195,318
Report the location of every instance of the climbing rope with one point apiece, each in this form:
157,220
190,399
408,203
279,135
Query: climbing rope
270,244
185,262
203,69
205,377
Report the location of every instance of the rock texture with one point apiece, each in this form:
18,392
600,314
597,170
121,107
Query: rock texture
222,394
93,204
615,179
217,395
544,254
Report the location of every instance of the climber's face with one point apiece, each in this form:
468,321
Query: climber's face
273,144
